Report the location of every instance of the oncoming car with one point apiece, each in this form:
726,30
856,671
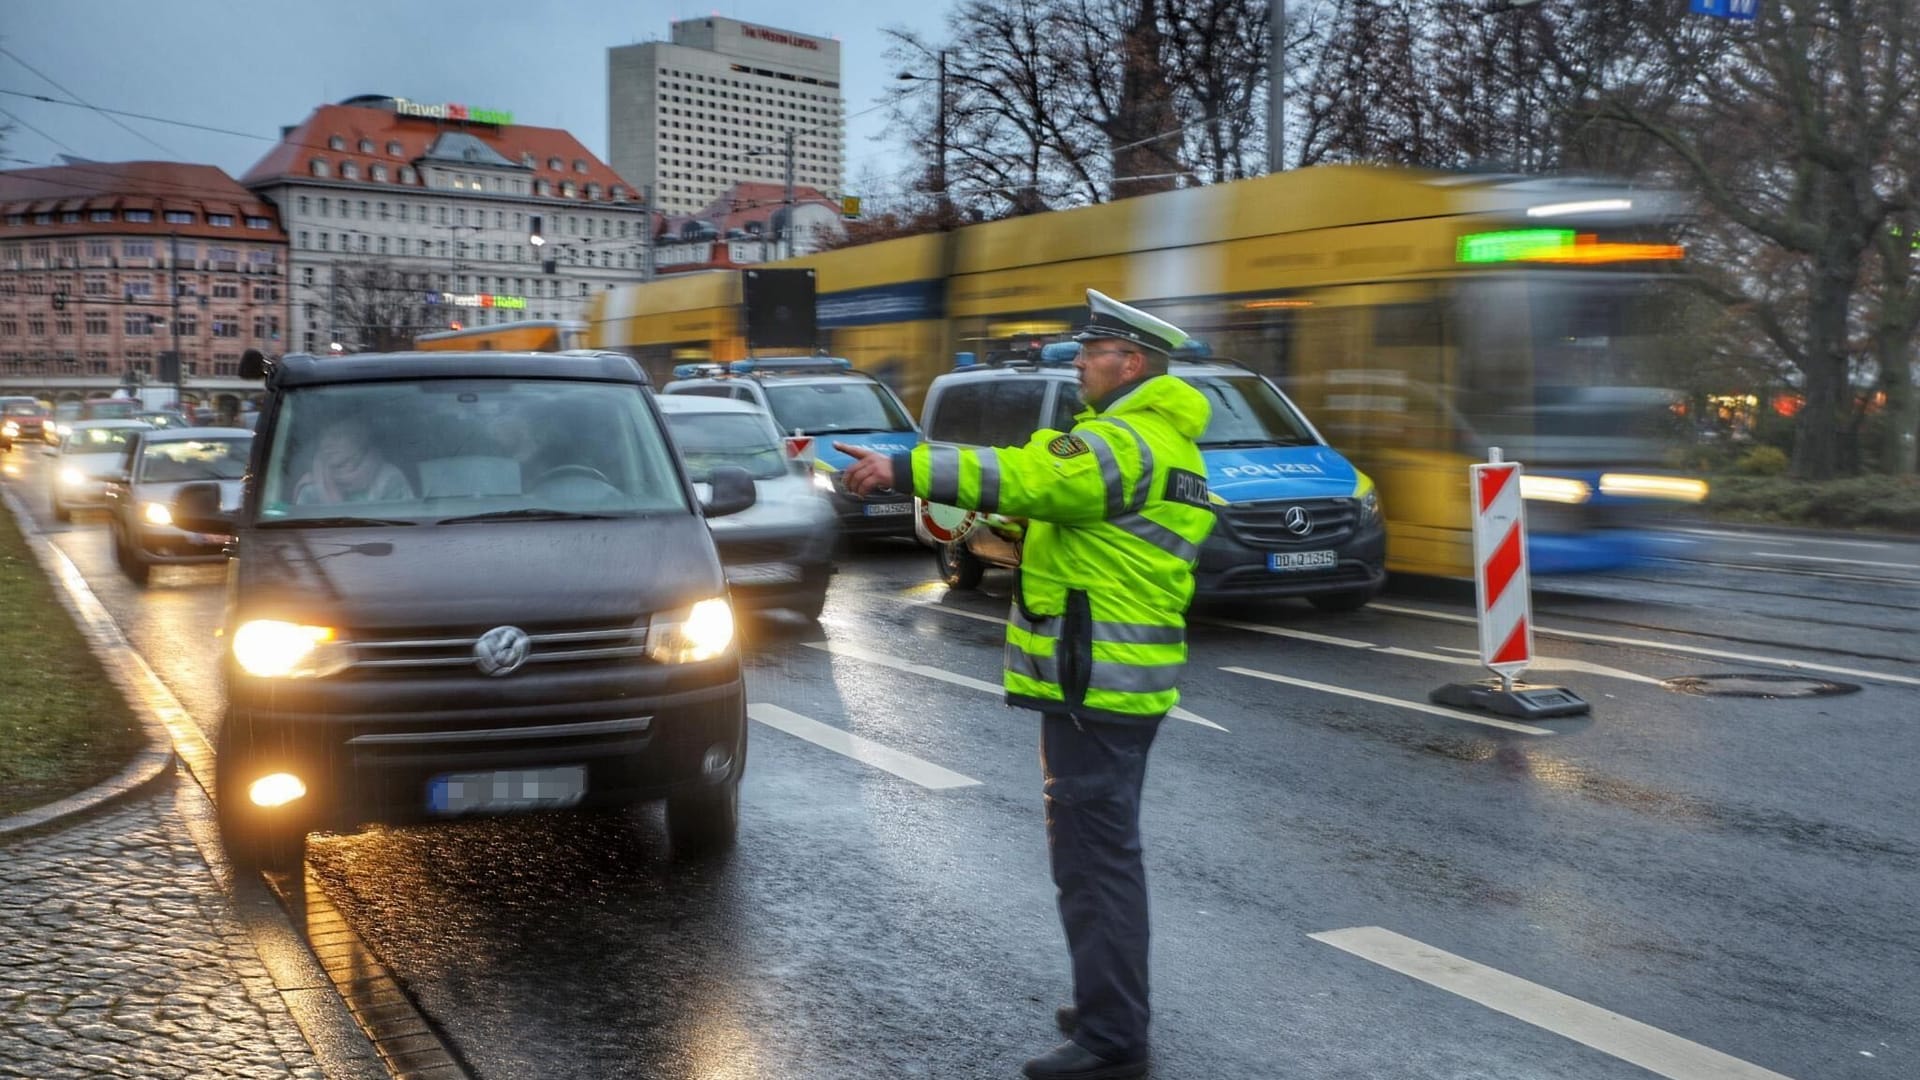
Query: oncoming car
156,466
89,456
779,554
823,397
470,584
20,419
1294,519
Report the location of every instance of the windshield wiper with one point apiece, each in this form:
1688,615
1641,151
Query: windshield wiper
337,522
529,513
1291,440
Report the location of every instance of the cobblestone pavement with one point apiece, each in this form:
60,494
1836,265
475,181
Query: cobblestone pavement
120,956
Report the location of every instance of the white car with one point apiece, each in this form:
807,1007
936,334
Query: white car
91,453
779,552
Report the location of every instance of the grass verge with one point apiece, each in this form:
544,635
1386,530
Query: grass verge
63,725
1873,503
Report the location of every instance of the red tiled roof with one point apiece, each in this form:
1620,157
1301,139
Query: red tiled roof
139,185
749,201
379,127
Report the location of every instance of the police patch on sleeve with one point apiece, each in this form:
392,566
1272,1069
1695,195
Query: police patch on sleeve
1067,446
1187,488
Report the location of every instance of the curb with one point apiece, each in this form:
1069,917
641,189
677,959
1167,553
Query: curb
153,763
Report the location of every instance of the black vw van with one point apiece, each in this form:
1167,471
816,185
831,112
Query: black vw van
470,584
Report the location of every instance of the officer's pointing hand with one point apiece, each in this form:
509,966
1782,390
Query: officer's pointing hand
870,471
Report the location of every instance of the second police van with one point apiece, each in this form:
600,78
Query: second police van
1295,519
825,398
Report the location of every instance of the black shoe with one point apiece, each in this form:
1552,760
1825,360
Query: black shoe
1067,1019
1071,1061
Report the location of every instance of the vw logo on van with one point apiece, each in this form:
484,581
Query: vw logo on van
1299,522
501,650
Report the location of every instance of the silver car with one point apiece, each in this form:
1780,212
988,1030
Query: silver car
156,466
779,552
91,452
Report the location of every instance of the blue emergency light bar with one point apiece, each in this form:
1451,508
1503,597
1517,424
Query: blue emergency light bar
1060,352
691,371
793,363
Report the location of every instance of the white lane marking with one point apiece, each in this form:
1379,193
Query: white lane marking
1752,539
1659,1052
866,751
901,664
1830,559
1541,663
1382,699
1663,646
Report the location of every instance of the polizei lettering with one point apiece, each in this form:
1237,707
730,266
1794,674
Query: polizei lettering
1283,468
1187,488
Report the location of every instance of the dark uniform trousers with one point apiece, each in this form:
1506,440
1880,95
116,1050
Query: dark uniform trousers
1094,772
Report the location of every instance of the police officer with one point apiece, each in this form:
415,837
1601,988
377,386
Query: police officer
1117,509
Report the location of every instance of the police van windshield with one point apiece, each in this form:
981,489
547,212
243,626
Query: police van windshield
1248,412
455,450
710,440
846,406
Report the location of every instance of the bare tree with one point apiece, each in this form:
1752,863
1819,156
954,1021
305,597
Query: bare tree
379,305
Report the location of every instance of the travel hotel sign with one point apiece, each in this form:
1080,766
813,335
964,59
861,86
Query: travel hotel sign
451,111
480,300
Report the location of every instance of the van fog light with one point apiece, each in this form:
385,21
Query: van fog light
278,789
716,762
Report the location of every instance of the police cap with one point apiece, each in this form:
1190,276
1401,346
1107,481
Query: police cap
1112,319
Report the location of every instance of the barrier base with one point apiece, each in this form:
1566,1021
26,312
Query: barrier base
1526,701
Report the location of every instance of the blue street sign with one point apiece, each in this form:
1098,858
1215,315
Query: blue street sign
1743,10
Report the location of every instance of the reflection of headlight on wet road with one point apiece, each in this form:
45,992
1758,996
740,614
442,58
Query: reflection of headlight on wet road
700,632
158,514
1677,488
1556,489
72,476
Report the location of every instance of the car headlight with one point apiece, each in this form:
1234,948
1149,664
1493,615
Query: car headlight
823,481
691,634
1555,489
10,429
1370,507
273,649
158,514
71,475
1632,485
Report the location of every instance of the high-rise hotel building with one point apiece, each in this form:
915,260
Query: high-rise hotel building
692,116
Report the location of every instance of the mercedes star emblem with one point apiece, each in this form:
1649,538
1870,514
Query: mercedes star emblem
501,650
1298,521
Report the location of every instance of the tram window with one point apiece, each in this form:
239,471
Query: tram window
1406,325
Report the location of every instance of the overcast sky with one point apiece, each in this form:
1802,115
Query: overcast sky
255,67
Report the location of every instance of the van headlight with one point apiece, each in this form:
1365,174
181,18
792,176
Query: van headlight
273,649
691,634
71,475
1370,507
158,514
10,429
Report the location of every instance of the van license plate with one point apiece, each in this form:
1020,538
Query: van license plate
885,509
1281,561
506,789
763,574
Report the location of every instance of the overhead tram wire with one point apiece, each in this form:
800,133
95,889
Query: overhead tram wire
15,117
108,113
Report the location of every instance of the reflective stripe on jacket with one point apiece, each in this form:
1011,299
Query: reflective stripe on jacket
1117,509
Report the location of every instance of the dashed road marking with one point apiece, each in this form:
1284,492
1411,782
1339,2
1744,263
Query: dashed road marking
1660,1052
866,751
897,663
1663,646
1382,699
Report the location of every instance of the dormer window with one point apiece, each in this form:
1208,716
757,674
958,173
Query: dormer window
335,142
566,189
366,146
378,172
318,166
394,149
349,171
406,174
555,164
593,191
580,166
526,158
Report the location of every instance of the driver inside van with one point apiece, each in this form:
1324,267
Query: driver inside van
346,469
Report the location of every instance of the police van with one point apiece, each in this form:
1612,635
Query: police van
1295,519
822,397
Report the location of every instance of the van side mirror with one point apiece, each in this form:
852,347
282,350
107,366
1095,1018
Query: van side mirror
253,364
732,491
196,508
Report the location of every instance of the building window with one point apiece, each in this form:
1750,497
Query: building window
97,325
326,207
318,166
383,245
381,209
363,209
335,142
406,174
306,275
366,146
378,172
443,215
224,221
99,249
226,326
555,164
99,215
137,249
70,217
394,149
349,171
259,223
306,239
323,242
139,216
137,324
189,324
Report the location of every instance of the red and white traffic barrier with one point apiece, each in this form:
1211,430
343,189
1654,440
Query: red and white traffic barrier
1503,599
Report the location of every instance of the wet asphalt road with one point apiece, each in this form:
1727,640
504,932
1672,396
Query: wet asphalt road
1739,873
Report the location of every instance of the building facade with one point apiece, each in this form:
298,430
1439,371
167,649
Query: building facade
109,269
404,218
690,117
749,223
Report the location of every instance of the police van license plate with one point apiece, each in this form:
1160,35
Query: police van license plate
506,789
1301,560
885,509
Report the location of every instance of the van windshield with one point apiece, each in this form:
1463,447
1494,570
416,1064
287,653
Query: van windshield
709,440
1248,412
439,449
844,405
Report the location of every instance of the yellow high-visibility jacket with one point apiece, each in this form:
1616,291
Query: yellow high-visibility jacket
1117,510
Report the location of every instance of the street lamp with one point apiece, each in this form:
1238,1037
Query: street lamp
940,136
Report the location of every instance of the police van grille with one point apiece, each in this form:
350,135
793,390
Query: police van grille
1265,523
425,652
